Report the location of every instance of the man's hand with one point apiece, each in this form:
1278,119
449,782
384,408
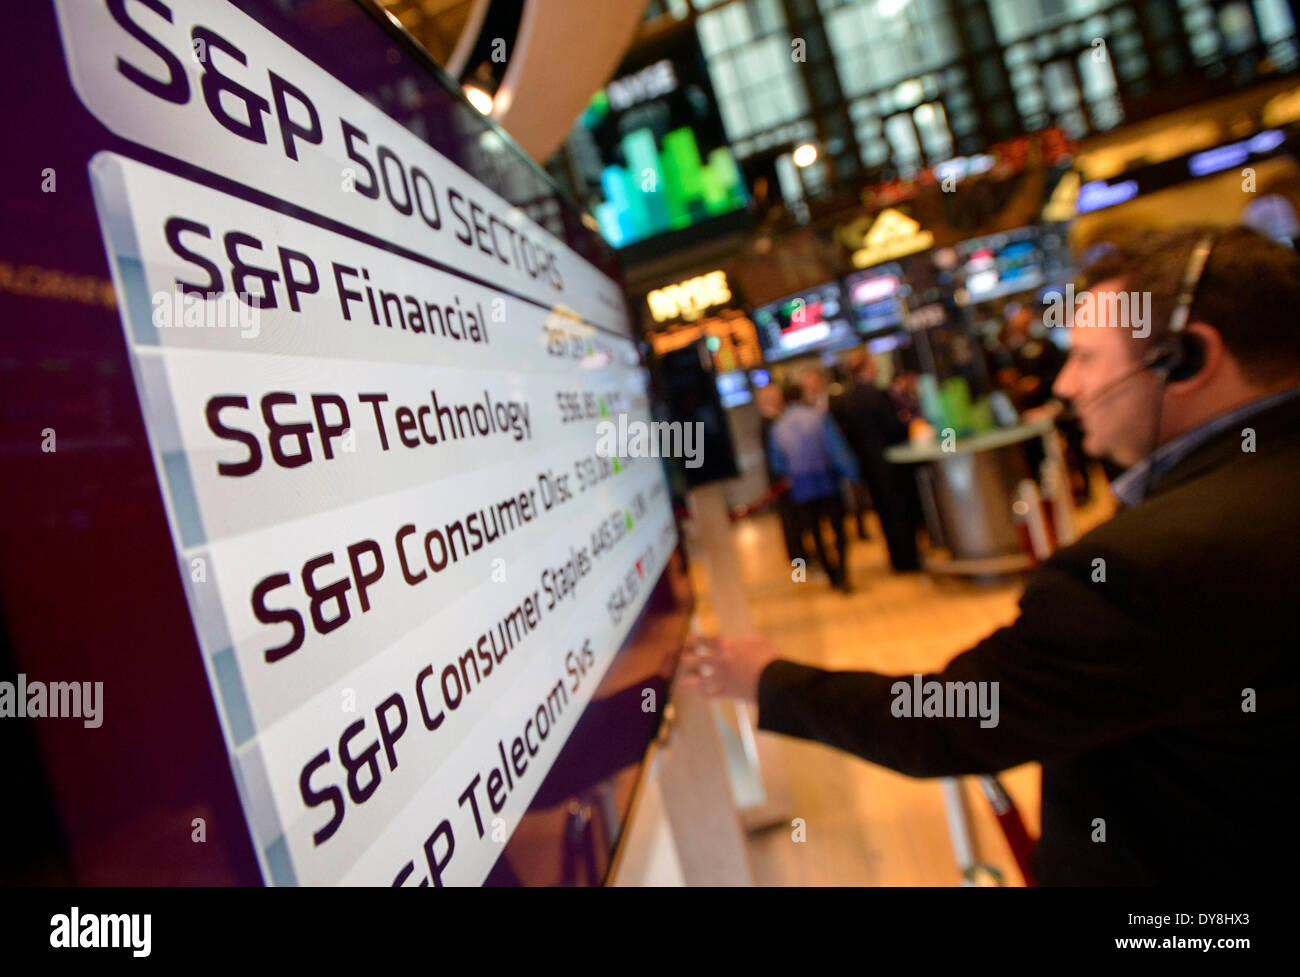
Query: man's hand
727,667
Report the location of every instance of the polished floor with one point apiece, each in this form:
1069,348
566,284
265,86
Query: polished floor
863,824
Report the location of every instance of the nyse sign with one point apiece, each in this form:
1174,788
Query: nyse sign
689,299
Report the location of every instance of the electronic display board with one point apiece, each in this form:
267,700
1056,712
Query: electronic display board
875,296
329,440
814,320
652,148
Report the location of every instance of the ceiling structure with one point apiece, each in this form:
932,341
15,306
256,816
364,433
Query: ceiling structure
558,53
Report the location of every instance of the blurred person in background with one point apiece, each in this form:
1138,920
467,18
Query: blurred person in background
771,404
857,497
871,423
1033,364
1152,669
806,447
815,392
904,396
1035,361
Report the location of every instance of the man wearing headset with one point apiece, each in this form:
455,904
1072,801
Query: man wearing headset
1154,670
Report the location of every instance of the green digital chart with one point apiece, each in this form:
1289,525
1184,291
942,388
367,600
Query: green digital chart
665,188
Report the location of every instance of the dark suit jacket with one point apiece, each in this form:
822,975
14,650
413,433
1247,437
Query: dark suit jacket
1163,702
869,420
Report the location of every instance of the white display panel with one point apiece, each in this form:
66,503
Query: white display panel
406,564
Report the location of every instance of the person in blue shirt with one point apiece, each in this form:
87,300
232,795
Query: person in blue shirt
805,446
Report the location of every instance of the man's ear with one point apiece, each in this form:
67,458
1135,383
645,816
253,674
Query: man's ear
1206,346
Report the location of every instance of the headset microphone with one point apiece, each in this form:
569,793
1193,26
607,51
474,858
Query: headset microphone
1071,411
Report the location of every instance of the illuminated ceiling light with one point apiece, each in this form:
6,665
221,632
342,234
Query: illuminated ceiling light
908,93
889,8
478,98
805,155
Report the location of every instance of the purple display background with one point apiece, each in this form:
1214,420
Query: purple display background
89,586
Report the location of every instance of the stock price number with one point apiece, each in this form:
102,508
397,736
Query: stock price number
623,595
577,405
592,470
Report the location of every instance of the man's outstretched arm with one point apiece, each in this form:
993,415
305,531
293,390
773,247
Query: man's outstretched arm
1049,685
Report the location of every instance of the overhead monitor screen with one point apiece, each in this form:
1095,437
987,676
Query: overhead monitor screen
1002,264
874,297
733,389
811,321
651,146
307,371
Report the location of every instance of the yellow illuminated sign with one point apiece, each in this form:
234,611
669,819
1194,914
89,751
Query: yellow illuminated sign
893,235
688,299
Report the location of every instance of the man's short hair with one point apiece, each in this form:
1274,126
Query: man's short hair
1249,292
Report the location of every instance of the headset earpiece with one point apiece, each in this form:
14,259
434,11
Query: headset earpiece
1163,357
1181,355
1190,359
1178,357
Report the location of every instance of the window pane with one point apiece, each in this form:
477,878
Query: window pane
712,36
902,139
